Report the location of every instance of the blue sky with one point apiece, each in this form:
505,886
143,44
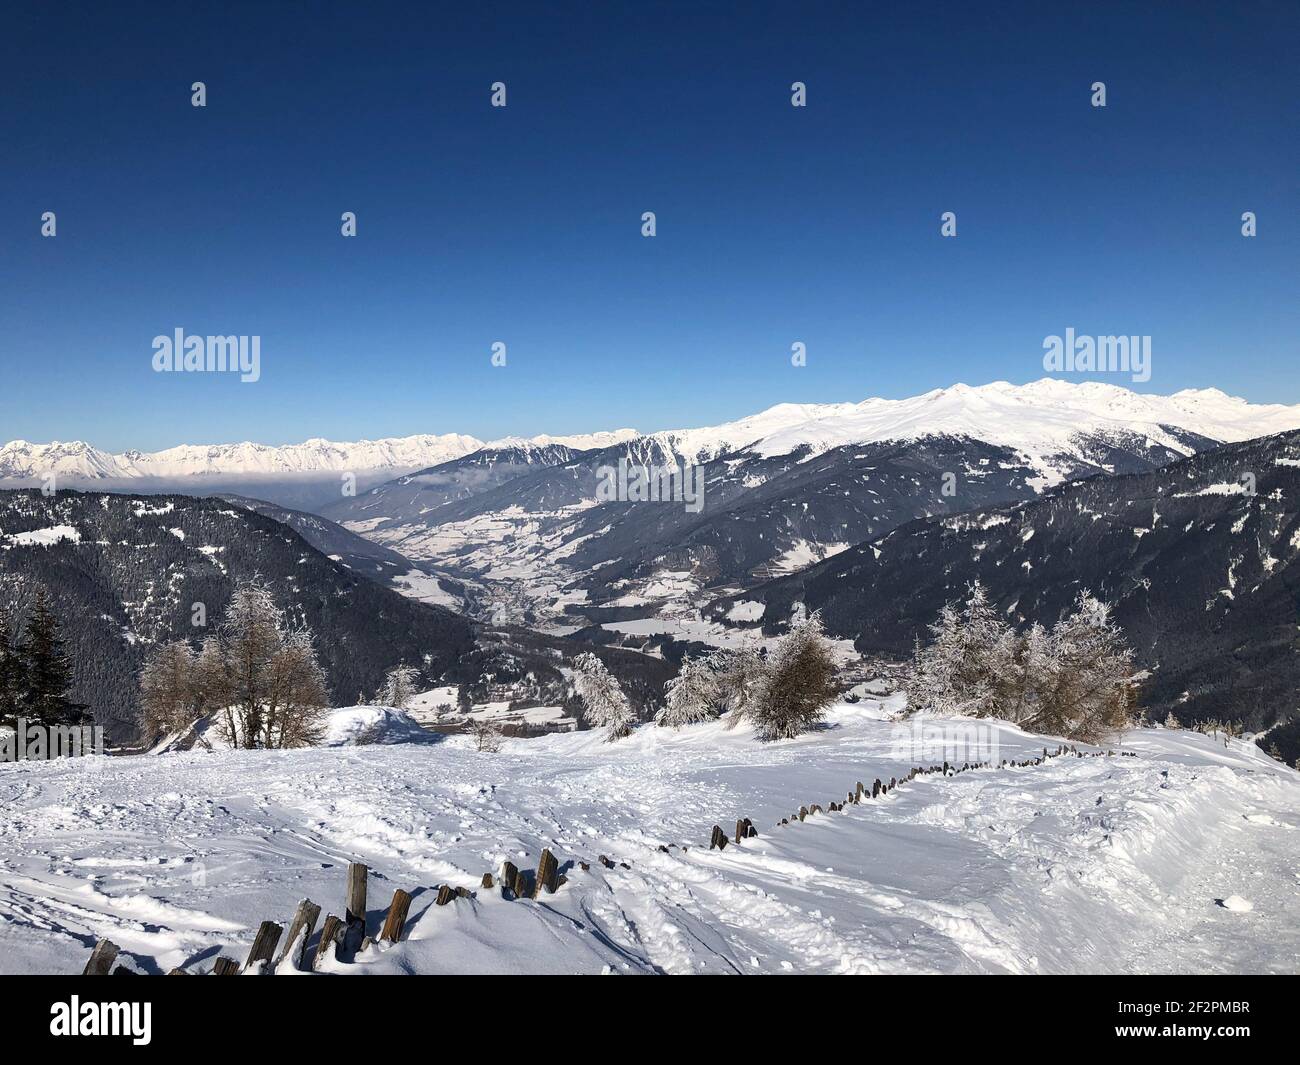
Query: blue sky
522,224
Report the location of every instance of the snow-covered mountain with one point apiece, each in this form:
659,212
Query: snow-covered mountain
1199,559
306,476
75,459
784,488
1045,420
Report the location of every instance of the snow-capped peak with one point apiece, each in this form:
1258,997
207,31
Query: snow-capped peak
1040,418
77,460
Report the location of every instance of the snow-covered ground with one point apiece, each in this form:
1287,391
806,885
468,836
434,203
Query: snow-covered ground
1185,858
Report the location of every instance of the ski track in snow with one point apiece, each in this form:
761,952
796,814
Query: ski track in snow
1092,864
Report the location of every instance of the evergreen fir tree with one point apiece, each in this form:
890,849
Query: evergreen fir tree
603,700
692,695
12,673
47,672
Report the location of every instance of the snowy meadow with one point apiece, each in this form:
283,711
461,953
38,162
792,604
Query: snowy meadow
1183,857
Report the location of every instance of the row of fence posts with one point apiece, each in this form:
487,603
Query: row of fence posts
344,937
880,788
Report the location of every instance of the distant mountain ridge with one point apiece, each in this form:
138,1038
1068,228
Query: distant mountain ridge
783,488
82,461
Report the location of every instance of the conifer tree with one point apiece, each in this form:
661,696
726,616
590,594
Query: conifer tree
47,674
603,700
692,695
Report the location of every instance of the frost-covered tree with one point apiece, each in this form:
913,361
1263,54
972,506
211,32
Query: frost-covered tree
170,697
737,674
604,704
399,686
797,683
692,695
1089,691
258,676
1075,679
963,670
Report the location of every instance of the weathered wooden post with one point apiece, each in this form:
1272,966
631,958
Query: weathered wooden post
101,959
268,935
446,894
718,839
331,933
509,874
303,923
225,967
547,871
355,911
395,922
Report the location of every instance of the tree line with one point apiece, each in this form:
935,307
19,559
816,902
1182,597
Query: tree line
1075,679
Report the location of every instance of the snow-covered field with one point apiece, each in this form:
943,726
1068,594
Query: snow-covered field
1109,864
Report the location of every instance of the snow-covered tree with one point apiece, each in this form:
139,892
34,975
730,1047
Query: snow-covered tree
258,676
399,686
1089,691
604,704
692,695
737,674
797,683
963,670
169,695
1075,679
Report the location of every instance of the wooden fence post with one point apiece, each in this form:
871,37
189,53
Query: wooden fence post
395,922
268,935
101,959
304,922
331,932
225,967
355,911
548,869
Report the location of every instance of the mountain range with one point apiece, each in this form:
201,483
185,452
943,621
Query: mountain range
782,489
872,512
308,474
